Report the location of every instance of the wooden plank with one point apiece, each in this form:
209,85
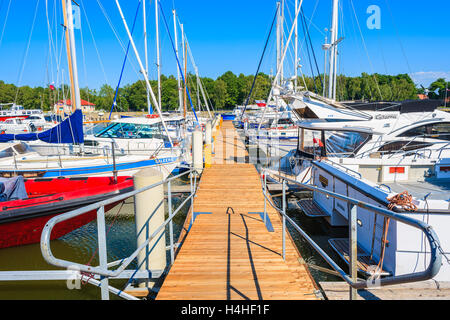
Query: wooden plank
425,290
233,255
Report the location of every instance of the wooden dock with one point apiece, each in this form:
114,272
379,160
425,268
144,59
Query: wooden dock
425,290
229,253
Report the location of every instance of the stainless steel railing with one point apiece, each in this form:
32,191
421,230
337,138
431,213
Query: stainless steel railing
435,248
99,275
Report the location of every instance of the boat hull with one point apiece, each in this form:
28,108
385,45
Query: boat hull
22,221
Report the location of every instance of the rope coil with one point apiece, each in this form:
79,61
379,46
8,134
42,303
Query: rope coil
404,200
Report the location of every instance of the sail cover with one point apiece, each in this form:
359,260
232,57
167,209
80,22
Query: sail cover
68,131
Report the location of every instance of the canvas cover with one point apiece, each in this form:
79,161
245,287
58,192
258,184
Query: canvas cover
12,189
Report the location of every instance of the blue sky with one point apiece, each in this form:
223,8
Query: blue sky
223,35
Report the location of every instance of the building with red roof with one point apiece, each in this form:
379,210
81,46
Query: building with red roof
65,106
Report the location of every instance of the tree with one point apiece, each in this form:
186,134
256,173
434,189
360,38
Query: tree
439,85
232,85
219,94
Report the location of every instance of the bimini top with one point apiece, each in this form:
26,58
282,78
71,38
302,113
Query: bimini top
407,106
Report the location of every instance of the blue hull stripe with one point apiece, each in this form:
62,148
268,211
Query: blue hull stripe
100,169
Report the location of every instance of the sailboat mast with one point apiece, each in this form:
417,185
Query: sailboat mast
185,69
282,38
180,94
141,66
158,62
296,51
144,13
333,56
71,54
278,39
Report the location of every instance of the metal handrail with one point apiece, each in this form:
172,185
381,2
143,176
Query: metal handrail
384,185
341,166
436,256
46,233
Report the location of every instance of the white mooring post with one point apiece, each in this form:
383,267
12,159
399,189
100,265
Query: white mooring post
208,132
150,209
353,247
197,150
208,144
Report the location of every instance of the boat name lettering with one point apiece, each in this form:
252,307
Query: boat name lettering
385,116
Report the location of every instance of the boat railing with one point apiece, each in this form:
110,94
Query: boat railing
435,251
103,270
340,166
99,275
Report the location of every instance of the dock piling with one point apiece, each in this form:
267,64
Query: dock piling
197,150
150,208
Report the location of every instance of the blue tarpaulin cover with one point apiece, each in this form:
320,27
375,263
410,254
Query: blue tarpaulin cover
68,131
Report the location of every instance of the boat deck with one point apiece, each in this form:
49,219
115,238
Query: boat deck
434,188
229,253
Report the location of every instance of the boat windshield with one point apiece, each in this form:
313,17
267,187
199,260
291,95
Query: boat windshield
22,148
131,131
344,143
332,143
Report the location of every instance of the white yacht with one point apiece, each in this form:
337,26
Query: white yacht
398,160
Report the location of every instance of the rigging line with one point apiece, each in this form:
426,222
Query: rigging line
124,62
312,48
309,58
398,37
60,79
360,54
111,25
365,48
310,20
207,95
260,62
178,62
291,48
51,43
94,42
6,20
26,51
84,64
197,74
290,52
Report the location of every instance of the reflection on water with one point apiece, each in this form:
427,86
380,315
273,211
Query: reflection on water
81,246
320,232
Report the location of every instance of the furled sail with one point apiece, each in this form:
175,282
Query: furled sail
68,131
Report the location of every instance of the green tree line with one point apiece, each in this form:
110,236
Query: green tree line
225,92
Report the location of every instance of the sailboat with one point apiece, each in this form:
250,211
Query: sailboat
27,204
275,128
124,147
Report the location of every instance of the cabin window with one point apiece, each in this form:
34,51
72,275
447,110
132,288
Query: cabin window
439,130
8,152
397,146
22,148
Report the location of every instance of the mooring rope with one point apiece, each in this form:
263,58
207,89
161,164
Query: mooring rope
403,200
